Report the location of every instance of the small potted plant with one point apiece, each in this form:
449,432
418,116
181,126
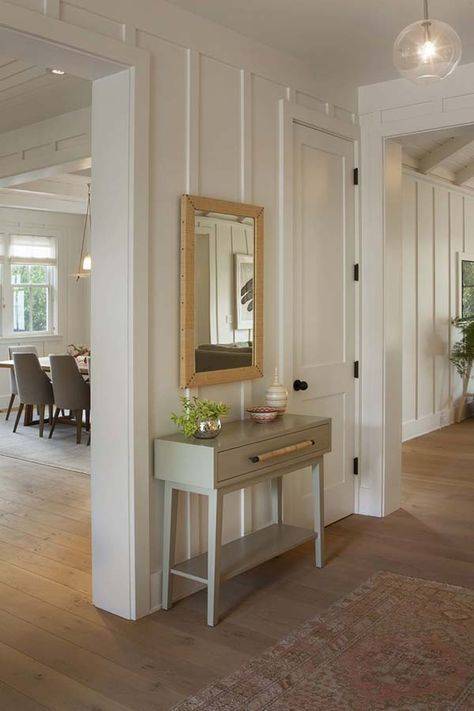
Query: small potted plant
200,418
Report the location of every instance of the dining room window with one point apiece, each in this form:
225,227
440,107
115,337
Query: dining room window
29,284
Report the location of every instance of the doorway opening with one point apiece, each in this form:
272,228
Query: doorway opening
433,203
118,285
44,226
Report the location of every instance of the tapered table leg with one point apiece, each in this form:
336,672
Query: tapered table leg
169,542
318,504
214,556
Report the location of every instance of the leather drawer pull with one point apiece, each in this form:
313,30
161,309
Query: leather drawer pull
281,452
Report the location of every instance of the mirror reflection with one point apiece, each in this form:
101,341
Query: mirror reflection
224,291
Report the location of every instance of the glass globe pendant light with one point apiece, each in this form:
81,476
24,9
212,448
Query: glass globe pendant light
427,50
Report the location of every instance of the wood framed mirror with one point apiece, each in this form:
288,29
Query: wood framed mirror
221,291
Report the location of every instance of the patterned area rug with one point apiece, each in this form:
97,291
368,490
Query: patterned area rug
394,643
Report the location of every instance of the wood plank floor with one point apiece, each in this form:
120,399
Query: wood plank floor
58,652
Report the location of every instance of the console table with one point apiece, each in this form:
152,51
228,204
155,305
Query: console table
243,454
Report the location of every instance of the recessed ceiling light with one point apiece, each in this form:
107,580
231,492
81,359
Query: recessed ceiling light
57,71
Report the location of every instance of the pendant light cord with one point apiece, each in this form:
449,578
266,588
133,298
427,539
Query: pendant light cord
87,218
426,21
425,10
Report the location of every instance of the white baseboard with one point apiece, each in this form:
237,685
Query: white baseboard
429,423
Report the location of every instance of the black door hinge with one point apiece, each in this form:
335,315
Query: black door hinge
356,466
356,176
356,369
356,272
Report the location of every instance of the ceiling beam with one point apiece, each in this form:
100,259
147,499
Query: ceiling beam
434,158
36,201
48,172
58,188
465,174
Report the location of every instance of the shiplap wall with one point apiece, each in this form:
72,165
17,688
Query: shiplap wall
438,222
214,132
218,137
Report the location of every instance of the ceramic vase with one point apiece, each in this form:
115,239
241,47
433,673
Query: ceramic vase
277,395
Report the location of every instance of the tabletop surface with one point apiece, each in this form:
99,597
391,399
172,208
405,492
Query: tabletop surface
240,432
44,362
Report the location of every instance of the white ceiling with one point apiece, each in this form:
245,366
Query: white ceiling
349,41
419,145
29,94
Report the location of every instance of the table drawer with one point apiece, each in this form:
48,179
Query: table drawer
271,452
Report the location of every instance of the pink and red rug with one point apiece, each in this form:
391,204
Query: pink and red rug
394,643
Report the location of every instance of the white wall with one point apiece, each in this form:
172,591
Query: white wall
74,302
438,222
214,131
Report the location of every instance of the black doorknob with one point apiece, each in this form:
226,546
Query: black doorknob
300,385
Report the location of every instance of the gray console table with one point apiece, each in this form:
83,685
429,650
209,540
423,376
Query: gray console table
245,453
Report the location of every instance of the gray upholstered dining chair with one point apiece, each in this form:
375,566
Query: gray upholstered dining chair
34,386
71,392
13,383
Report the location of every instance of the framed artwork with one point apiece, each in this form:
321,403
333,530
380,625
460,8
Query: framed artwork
465,285
244,291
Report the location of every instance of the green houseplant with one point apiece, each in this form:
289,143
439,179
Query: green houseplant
462,357
200,418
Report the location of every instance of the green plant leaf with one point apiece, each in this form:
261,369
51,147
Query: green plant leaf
195,411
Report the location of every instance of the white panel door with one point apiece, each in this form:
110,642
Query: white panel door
323,311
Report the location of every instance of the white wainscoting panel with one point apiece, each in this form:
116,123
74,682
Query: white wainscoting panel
438,222
218,137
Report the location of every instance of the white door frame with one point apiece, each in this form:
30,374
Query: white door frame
121,452
393,109
290,113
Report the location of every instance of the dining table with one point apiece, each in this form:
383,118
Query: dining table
46,366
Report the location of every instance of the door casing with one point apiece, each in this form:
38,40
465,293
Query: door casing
391,109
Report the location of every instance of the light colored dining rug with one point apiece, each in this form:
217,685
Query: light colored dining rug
60,451
394,643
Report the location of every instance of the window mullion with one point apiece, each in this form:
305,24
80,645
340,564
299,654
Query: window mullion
30,305
8,291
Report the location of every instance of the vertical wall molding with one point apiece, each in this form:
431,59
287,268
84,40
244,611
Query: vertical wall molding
192,503
51,8
246,195
193,120
129,33
246,187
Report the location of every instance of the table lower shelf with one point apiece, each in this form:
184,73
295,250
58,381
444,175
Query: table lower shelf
247,552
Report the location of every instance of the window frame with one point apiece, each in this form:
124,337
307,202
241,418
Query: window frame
7,288
29,287
462,257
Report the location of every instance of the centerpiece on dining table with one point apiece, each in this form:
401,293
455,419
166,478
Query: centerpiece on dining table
80,353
